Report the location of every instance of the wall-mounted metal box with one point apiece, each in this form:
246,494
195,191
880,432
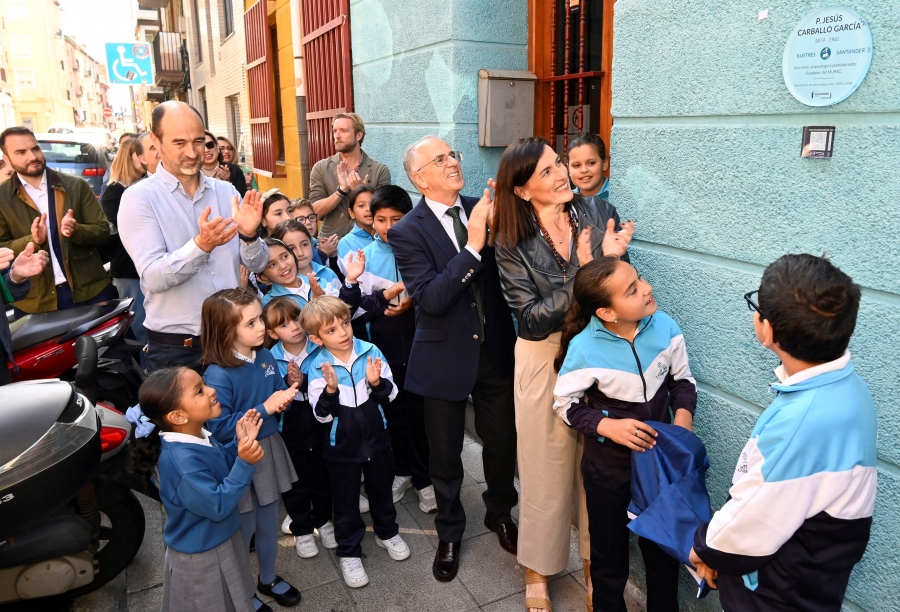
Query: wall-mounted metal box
505,106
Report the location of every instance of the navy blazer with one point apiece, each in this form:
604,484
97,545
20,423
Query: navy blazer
443,363
18,291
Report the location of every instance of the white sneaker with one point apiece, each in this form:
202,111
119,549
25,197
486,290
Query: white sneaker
326,532
286,525
363,504
354,573
401,484
427,502
396,547
306,546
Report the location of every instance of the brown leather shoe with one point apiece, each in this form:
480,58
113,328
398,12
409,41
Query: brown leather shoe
507,533
446,561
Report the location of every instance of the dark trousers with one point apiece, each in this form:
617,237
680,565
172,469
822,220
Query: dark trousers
65,299
161,356
308,502
5,377
349,527
495,422
607,489
406,422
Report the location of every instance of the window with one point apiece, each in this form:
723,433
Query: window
276,76
201,95
198,38
149,35
68,94
17,9
24,77
234,120
228,17
20,45
62,65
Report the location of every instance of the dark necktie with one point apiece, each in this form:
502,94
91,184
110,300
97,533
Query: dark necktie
462,237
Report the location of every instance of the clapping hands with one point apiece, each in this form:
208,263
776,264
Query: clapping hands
29,262
373,371
68,225
295,376
616,243
280,400
347,178
246,431
355,267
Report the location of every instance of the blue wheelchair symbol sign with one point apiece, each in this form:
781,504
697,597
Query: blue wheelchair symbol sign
129,63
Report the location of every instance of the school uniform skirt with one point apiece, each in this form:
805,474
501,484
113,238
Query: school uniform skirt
549,456
211,581
274,474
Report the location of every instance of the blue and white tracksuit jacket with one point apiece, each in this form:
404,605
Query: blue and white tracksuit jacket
606,376
393,335
326,278
802,496
358,238
358,425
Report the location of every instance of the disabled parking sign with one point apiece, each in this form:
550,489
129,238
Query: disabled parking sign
129,63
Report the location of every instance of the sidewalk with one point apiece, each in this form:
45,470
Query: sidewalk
489,578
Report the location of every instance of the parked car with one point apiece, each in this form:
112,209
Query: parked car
61,128
97,134
74,154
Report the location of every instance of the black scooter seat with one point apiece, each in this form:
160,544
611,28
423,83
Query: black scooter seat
36,328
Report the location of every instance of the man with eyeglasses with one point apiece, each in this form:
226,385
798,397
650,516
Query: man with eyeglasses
187,234
463,344
332,179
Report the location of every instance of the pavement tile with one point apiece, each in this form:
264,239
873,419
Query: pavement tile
565,593
331,597
108,598
473,505
471,459
489,572
408,585
146,570
145,601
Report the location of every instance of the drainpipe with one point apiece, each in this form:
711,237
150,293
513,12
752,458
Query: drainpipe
300,93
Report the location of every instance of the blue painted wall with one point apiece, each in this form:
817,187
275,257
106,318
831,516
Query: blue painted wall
705,156
415,72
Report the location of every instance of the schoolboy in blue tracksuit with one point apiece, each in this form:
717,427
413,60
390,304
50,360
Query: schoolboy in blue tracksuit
349,381
383,292
803,492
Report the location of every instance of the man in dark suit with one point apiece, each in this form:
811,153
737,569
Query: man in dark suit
463,344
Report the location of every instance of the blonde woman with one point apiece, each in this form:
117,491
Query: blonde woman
126,170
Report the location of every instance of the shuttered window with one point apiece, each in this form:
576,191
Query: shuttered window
326,48
262,88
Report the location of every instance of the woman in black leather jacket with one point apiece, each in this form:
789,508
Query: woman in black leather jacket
542,233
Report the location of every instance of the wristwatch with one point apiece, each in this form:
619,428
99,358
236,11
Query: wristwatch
248,239
350,285
341,192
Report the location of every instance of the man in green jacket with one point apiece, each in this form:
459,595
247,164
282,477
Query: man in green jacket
61,215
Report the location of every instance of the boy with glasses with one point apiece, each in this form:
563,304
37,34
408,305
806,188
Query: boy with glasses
800,508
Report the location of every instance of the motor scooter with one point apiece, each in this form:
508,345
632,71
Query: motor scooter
69,521
44,347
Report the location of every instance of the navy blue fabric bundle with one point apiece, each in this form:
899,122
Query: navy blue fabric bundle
668,490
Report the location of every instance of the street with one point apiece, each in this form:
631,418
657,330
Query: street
489,578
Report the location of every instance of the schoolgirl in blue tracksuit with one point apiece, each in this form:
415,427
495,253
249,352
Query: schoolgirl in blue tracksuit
621,363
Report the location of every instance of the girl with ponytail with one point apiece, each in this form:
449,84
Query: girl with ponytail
621,363
207,566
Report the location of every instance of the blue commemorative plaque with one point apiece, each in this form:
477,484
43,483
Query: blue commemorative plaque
827,56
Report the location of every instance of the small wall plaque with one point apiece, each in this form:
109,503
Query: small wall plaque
818,141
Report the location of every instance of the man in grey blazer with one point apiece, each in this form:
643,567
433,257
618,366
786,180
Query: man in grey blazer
333,178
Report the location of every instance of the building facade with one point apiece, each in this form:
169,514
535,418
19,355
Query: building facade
216,51
87,87
36,64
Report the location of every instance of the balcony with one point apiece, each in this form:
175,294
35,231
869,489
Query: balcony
153,4
167,60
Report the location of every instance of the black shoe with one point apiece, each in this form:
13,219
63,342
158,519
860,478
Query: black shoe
507,533
446,561
288,599
262,606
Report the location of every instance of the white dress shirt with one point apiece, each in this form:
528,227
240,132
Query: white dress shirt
440,211
40,197
171,436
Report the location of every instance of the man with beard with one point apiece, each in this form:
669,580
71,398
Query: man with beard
332,179
187,235
60,214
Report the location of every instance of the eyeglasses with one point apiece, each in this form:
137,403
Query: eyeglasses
210,144
224,149
441,159
310,218
753,306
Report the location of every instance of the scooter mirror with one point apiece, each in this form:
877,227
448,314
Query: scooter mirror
87,355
